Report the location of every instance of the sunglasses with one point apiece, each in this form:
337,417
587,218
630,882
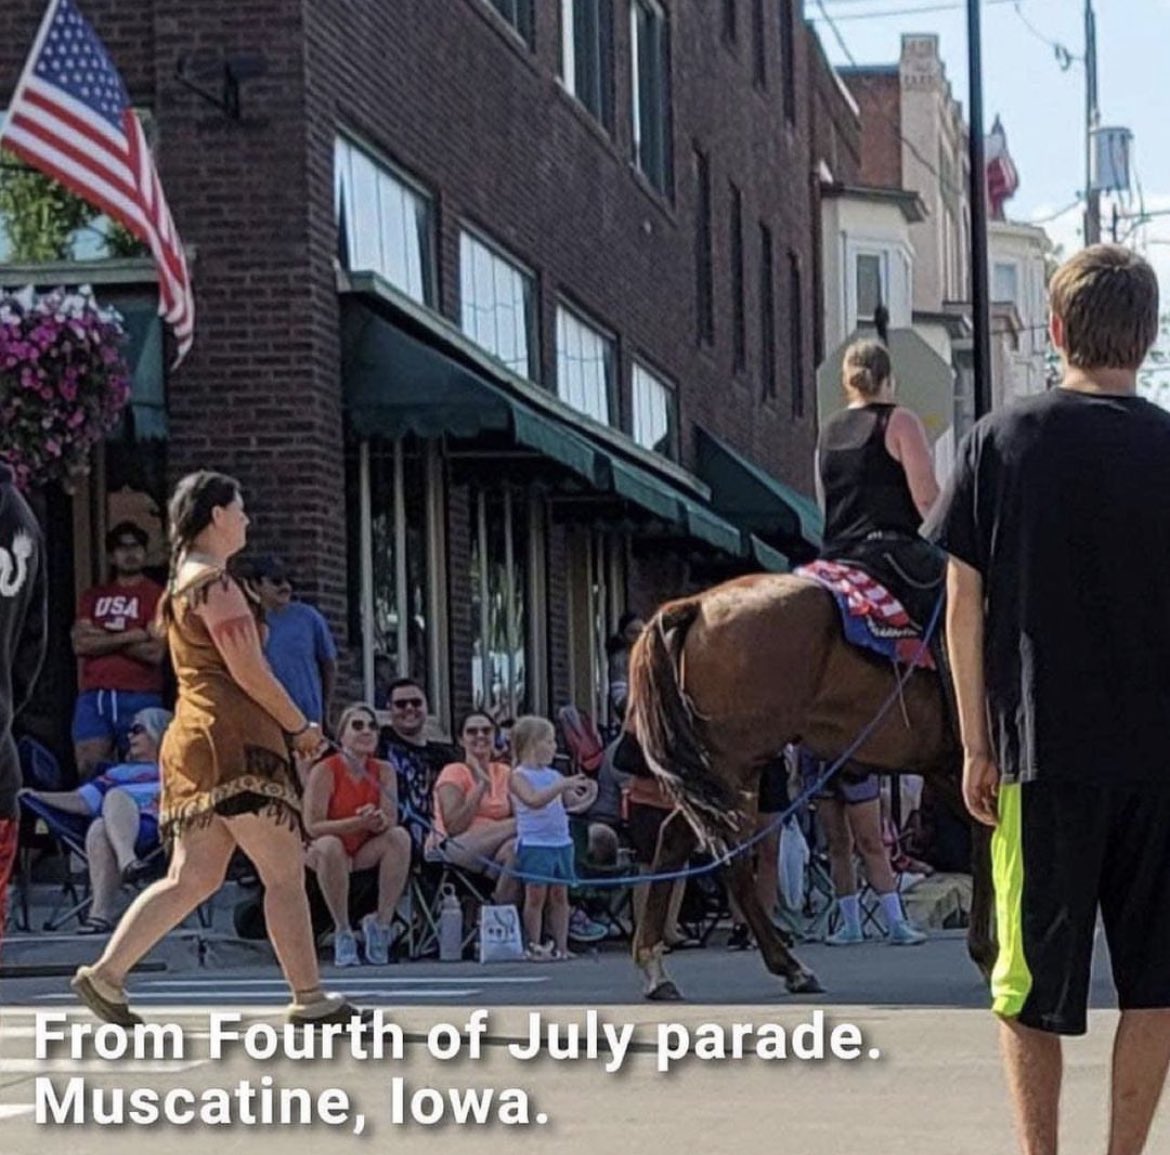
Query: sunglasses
477,731
359,725
129,545
407,704
136,729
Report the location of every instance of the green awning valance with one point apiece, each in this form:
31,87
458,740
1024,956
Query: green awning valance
768,559
751,498
397,384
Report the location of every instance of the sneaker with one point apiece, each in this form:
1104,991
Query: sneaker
584,929
846,936
904,934
377,940
345,951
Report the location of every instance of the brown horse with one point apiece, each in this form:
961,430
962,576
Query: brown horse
720,682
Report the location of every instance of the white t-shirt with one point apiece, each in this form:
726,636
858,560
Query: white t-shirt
547,825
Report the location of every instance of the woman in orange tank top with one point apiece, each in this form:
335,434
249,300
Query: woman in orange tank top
351,814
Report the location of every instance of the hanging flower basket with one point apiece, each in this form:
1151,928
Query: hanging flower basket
63,382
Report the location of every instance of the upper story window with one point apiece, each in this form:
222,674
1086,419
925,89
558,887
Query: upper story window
767,314
42,222
587,55
730,22
788,57
651,92
519,14
384,223
585,366
1005,282
869,286
655,412
738,302
795,335
497,305
759,45
704,272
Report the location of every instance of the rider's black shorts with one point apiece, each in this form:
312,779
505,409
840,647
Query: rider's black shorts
1061,852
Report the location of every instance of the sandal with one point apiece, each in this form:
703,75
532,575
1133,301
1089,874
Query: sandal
134,871
95,925
105,1000
325,1010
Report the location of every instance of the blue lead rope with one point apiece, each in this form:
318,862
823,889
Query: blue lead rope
743,847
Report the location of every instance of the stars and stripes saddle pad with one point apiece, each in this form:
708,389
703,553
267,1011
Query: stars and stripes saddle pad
871,616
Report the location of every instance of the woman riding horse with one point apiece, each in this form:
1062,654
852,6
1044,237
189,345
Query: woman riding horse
875,477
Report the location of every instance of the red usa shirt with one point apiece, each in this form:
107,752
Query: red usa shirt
119,608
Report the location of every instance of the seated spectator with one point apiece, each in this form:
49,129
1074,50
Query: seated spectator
417,758
474,825
123,803
544,846
351,814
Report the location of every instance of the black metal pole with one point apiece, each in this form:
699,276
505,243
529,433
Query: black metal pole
980,295
1092,117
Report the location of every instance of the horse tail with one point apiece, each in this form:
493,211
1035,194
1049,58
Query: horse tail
663,721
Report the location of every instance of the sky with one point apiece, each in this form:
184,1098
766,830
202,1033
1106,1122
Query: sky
1042,107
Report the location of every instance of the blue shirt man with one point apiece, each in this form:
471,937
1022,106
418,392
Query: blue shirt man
299,647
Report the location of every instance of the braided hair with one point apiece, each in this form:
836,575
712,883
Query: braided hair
189,513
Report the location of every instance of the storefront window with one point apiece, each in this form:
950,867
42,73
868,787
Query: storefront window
399,569
499,601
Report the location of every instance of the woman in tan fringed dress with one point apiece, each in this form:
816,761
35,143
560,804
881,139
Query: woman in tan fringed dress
227,777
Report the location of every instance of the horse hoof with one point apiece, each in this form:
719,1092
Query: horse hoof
665,992
804,984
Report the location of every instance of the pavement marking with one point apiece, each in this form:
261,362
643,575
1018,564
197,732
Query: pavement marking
12,1110
279,996
422,980
95,1066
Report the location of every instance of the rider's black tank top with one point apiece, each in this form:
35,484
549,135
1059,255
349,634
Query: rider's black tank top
865,488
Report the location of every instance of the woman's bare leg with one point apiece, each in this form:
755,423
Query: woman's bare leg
329,862
122,819
104,875
197,870
275,850
390,852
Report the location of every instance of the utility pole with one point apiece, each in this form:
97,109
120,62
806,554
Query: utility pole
980,292
1092,122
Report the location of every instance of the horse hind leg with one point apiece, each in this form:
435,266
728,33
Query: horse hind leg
797,978
676,841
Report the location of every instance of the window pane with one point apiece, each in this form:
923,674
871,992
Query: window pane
739,324
654,403
495,304
704,274
869,286
518,13
729,29
650,99
584,366
384,225
1006,283
767,314
788,59
759,45
795,335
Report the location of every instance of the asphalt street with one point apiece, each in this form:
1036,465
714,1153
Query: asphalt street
926,1076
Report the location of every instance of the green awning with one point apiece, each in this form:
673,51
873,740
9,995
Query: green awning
748,496
395,384
642,489
768,559
144,355
711,528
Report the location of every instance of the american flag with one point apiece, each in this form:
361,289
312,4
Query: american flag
71,117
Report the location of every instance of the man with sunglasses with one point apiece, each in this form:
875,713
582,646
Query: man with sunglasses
417,758
300,647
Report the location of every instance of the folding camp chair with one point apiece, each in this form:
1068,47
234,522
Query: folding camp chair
582,740
427,882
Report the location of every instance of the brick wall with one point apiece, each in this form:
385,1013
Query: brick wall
878,92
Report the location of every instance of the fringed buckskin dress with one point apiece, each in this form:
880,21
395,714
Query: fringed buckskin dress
223,753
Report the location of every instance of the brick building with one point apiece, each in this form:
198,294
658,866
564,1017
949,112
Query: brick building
507,312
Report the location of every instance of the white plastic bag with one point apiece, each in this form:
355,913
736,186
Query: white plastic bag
501,937
793,860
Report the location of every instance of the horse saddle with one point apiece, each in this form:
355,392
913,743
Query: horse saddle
871,616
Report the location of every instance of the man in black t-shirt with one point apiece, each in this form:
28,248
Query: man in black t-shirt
1056,521
418,759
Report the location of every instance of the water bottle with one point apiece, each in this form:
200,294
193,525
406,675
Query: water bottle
450,925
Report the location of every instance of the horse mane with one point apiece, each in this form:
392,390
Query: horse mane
663,720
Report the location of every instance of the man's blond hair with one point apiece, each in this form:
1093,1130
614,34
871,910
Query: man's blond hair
1107,299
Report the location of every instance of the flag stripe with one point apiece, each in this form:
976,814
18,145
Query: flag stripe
76,147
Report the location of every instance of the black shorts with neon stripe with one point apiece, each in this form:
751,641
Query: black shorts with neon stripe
1063,851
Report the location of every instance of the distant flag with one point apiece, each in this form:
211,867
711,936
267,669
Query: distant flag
71,117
